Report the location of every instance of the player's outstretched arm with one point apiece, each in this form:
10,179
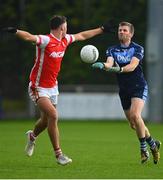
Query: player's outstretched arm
24,35
108,27
81,36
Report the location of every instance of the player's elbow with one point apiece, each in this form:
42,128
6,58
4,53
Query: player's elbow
132,69
30,39
27,38
82,38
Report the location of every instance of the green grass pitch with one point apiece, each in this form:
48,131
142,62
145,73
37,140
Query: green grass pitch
99,149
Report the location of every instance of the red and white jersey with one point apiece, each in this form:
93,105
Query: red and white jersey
49,55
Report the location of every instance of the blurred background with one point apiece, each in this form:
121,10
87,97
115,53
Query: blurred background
84,93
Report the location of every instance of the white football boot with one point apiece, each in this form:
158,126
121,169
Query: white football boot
29,148
63,159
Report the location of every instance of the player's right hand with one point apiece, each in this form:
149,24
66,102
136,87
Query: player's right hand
9,30
98,65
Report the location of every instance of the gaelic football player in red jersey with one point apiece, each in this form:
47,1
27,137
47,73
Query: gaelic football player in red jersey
43,86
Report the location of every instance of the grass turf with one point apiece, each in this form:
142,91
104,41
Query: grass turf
99,149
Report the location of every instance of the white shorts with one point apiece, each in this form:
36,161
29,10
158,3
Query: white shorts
51,93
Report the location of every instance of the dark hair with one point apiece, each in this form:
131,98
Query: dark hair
56,21
124,23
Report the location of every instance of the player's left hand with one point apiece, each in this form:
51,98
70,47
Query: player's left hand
98,65
9,30
110,26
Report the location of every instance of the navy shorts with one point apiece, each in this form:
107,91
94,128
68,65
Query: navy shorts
126,95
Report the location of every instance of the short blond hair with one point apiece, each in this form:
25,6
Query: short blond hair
131,26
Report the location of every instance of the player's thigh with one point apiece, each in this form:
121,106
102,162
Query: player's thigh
138,98
47,108
137,105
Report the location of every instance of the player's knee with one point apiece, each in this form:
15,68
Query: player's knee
132,125
45,122
53,117
135,117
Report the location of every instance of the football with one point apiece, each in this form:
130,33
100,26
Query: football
89,54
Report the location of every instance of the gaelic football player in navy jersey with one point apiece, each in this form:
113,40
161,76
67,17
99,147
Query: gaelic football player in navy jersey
126,60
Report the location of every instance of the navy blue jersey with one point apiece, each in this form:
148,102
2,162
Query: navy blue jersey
123,56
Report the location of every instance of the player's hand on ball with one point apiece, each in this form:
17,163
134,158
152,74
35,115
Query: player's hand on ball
98,65
10,30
